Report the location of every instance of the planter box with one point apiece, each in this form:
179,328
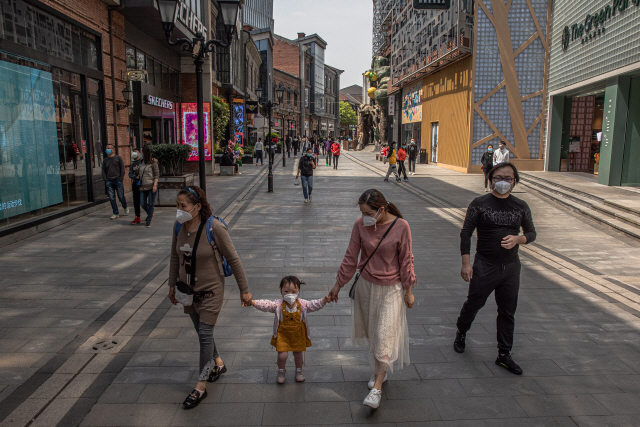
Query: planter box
595,168
217,158
168,187
247,159
278,149
227,170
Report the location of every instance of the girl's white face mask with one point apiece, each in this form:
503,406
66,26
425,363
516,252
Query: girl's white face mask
291,298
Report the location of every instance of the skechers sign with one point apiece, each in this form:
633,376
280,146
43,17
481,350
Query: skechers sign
594,23
189,19
159,102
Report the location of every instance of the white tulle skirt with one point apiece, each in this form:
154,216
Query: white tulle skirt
380,322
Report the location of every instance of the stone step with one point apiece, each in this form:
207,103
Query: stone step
614,221
560,187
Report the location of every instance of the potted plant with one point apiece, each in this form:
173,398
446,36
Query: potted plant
597,165
217,154
171,159
247,158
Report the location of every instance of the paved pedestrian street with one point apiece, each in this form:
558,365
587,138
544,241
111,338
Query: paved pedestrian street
88,336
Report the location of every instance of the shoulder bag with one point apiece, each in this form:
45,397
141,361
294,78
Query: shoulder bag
184,291
352,291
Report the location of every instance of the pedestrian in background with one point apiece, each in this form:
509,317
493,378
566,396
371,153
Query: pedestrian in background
502,155
392,158
412,151
306,165
327,149
196,261
487,164
316,152
113,171
296,145
321,141
149,175
498,218
335,151
258,149
134,175
402,155
288,146
383,288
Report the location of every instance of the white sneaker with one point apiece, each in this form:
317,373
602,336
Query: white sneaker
373,399
306,200
126,211
372,381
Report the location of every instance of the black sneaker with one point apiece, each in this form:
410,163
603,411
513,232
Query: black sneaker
216,373
458,344
148,224
194,399
506,361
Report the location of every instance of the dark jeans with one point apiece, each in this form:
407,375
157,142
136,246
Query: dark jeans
147,200
335,160
259,157
486,178
135,189
402,169
113,188
307,185
208,349
504,279
328,158
412,165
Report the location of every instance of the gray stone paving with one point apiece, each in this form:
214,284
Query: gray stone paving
580,351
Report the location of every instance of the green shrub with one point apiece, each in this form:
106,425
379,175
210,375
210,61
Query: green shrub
171,157
248,150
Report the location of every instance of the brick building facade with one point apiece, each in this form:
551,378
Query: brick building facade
286,115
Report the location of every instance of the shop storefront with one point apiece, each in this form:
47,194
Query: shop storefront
594,88
412,114
52,119
154,116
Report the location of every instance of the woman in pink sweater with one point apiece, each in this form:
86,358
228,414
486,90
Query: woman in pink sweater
384,288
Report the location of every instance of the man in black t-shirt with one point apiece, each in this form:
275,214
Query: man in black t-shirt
412,153
306,165
498,217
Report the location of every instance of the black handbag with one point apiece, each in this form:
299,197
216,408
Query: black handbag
352,291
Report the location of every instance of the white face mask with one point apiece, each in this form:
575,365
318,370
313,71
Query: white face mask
368,221
134,156
183,216
502,187
291,298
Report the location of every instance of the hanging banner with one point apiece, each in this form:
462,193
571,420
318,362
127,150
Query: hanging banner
392,105
190,129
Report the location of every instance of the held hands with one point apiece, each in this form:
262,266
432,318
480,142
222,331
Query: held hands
246,299
333,293
510,241
326,300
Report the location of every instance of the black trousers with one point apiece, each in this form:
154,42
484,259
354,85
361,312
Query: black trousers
402,169
335,161
486,178
412,164
135,190
504,279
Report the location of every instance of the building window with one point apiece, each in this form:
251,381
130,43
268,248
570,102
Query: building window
295,99
130,53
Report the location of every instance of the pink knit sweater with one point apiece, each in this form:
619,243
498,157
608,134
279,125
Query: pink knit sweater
392,262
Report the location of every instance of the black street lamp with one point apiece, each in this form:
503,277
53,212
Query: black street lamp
269,105
199,48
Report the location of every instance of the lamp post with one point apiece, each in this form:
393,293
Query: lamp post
199,49
269,105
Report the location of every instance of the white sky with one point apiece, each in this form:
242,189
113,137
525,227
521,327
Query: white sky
344,24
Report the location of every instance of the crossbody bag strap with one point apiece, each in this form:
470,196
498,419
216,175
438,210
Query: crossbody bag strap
374,251
193,255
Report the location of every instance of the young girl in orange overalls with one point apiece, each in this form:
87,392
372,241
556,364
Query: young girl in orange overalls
290,327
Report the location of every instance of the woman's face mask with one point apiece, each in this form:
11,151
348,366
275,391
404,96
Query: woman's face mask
134,156
183,216
368,221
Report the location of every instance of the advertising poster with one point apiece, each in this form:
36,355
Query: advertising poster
238,123
412,104
190,129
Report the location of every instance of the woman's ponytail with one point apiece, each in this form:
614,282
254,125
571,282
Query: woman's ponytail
393,210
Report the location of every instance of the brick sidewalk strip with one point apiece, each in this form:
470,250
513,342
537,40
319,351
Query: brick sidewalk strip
93,280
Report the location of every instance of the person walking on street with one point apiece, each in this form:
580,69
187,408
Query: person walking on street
149,175
335,151
316,152
258,149
327,150
296,145
502,155
498,217
392,158
200,247
113,171
306,165
134,175
383,288
487,164
289,146
402,155
412,151
321,141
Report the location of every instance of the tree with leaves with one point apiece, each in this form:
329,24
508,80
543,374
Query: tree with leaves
219,118
347,115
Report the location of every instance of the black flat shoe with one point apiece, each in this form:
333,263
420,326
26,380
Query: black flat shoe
194,399
216,373
459,344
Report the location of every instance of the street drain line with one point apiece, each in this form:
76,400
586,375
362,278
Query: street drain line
594,282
